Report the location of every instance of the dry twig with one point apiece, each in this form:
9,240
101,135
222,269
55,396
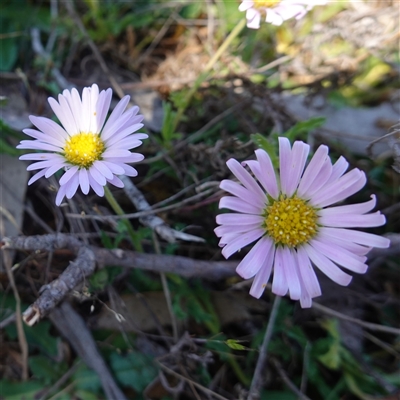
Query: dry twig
39,50
20,329
73,328
152,221
70,7
287,381
87,258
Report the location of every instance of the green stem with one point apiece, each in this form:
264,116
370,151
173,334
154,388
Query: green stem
203,76
119,211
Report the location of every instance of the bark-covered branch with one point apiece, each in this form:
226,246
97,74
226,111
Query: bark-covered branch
87,257
53,293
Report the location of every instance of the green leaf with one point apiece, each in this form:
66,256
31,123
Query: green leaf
332,359
192,10
45,370
8,43
17,391
317,378
266,144
84,394
99,280
275,395
235,345
86,379
134,370
302,128
38,336
8,53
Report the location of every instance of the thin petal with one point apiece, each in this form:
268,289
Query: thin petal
253,18
297,163
338,169
128,170
313,170
37,145
241,241
102,107
42,157
72,186
125,143
360,208
242,219
103,169
84,180
244,177
123,134
115,118
342,242
363,238
289,267
132,158
284,163
60,195
40,165
331,270
262,277
264,172
353,220
340,189
98,189
237,229
239,205
37,176
308,276
245,5
116,153
97,176
254,260
114,168
243,193
116,182
54,168
68,175
279,283
43,137
320,181
49,127
340,256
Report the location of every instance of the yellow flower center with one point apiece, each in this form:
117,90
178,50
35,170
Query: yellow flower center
265,3
290,222
84,149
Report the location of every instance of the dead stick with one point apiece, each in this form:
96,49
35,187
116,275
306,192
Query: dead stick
73,328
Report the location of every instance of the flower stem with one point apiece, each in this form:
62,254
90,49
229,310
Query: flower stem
119,211
203,76
254,391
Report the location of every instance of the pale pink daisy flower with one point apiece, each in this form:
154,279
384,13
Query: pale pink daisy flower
91,150
291,218
276,11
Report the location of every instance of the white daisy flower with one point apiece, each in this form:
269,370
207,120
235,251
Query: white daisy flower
291,217
276,11
91,150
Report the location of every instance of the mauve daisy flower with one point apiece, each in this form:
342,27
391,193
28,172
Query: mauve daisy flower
91,150
276,11
291,218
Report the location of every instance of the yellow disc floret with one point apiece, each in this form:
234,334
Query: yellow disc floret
265,3
83,149
290,221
